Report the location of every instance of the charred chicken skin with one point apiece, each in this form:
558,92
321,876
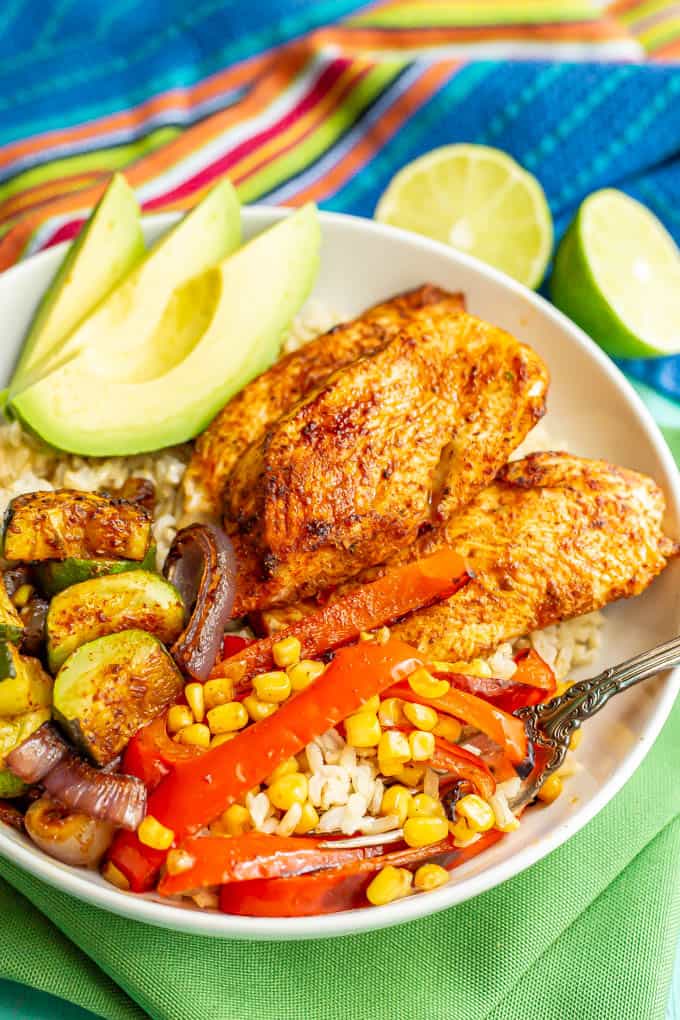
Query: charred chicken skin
392,443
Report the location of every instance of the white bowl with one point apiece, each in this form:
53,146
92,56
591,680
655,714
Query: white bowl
592,408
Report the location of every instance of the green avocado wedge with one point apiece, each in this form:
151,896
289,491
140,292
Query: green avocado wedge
120,332
109,245
218,331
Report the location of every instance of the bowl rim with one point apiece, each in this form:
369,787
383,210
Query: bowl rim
200,922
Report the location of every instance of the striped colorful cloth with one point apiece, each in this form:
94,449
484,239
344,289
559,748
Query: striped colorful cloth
326,100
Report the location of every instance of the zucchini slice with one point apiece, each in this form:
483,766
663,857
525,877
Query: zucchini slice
28,689
7,667
11,785
68,523
19,728
11,627
111,687
105,605
55,575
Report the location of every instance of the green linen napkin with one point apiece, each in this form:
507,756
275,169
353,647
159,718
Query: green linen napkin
589,932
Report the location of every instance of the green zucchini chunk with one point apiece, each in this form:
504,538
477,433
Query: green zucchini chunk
111,687
19,728
136,599
29,688
7,667
69,523
11,627
55,575
11,785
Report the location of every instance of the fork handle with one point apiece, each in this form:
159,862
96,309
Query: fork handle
551,724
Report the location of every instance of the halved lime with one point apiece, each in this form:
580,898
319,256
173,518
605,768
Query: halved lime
617,274
478,200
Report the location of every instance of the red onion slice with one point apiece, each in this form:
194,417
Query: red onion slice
106,796
39,753
202,566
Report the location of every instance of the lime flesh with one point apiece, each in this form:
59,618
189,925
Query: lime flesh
478,200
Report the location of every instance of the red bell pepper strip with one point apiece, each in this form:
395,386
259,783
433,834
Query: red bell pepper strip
139,863
534,671
221,859
151,753
199,790
506,730
327,892
465,765
399,591
233,644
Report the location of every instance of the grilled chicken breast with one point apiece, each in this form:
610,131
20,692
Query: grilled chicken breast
553,537
391,444
246,418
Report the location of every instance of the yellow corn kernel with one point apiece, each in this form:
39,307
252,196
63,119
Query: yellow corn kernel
22,595
389,884
449,729
363,730
152,833
221,738
462,833
365,635
396,801
194,695
422,831
425,685
218,692
421,745
551,789
234,821
422,716
288,790
286,768
561,688
309,819
430,876
179,716
372,705
304,673
227,718
196,735
178,861
476,812
576,738
394,746
272,687
116,877
286,652
257,709
411,775
423,806
390,768
391,712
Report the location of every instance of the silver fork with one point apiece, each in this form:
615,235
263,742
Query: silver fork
549,726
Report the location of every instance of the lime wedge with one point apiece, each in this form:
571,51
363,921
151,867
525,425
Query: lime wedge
478,200
617,274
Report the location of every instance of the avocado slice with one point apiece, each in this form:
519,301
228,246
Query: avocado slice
11,626
119,332
28,689
166,393
55,575
68,523
111,687
104,605
109,245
